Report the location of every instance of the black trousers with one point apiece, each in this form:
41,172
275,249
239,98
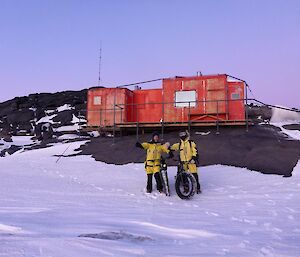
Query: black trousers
157,177
197,179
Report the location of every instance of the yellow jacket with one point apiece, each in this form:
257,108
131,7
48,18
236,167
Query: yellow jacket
187,150
154,151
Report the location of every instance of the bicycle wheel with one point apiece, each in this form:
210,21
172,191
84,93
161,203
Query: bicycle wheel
185,185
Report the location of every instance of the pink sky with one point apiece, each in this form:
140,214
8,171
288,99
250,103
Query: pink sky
49,46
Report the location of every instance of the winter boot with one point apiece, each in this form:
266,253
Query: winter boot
149,183
159,185
198,184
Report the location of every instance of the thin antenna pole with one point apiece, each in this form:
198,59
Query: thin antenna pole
100,57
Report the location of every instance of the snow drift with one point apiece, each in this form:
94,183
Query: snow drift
80,207
280,115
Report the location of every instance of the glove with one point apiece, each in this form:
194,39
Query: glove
138,144
194,160
167,145
171,155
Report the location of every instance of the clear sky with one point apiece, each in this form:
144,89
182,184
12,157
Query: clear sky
49,46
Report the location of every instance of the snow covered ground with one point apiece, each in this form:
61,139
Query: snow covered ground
16,140
51,114
284,117
281,115
45,205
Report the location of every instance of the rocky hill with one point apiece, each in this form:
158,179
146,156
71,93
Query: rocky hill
265,148
18,115
28,115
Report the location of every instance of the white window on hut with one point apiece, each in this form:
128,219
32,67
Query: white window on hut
185,98
235,96
97,100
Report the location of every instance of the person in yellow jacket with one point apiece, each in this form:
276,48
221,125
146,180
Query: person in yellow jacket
154,150
188,155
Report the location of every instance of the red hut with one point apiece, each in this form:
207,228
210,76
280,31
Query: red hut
198,100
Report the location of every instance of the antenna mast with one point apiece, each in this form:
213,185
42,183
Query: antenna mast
100,56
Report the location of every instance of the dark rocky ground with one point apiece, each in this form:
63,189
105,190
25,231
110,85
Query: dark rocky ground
259,114
263,148
17,115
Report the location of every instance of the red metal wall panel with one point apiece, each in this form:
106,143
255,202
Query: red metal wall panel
148,105
101,106
129,107
215,95
208,89
236,106
93,114
216,98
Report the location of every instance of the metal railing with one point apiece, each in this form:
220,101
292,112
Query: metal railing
120,108
120,112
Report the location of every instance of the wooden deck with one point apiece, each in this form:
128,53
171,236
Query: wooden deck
166,125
